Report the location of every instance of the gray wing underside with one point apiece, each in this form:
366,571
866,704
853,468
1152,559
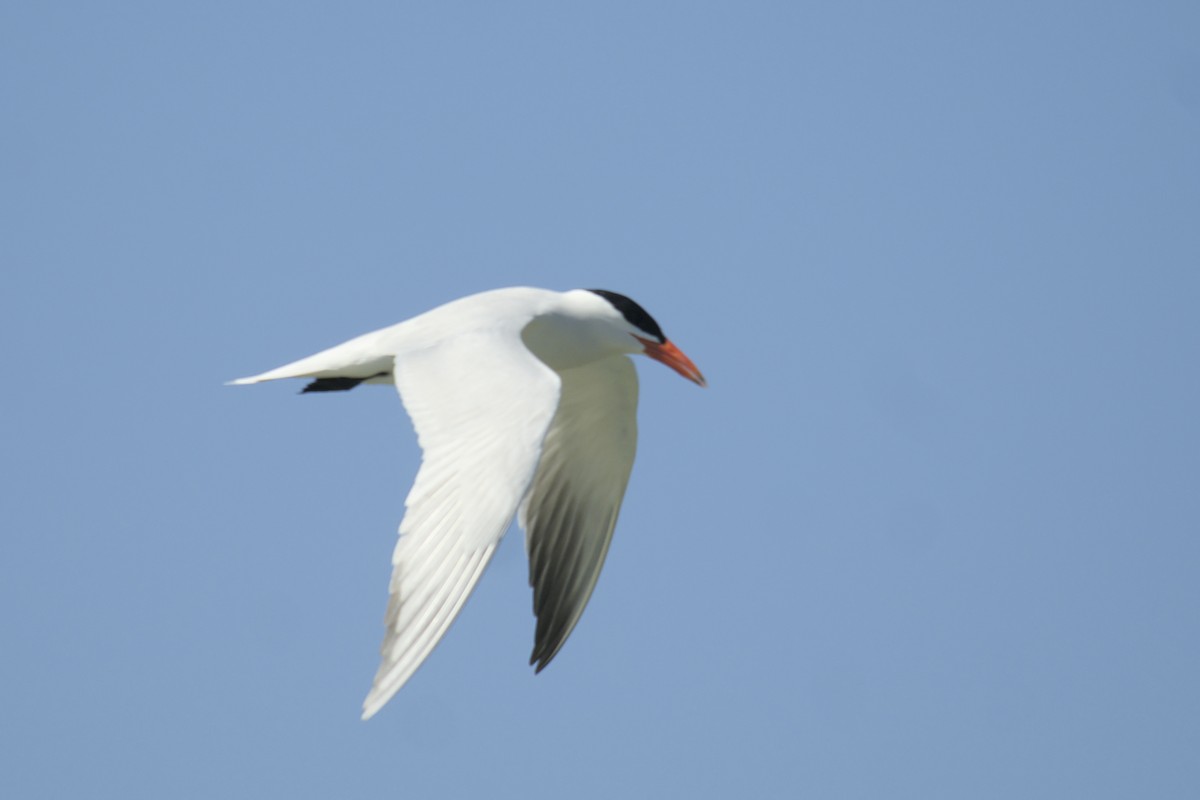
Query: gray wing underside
572,505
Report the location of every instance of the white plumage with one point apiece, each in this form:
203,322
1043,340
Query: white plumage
521,399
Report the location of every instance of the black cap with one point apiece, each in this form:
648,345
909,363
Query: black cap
634,314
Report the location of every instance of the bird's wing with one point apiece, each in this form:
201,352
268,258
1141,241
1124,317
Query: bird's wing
481,405
572,506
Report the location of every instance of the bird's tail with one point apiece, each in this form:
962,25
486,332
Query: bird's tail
356,361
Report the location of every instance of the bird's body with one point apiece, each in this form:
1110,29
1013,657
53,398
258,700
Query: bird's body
524,402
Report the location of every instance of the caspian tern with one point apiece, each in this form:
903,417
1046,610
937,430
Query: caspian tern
524,402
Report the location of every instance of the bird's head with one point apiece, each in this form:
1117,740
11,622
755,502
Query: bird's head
647,334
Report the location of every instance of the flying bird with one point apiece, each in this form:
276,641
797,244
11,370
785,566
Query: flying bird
524,402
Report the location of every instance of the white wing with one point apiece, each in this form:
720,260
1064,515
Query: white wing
481,405
572,506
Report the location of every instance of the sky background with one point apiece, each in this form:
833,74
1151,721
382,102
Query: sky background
932,532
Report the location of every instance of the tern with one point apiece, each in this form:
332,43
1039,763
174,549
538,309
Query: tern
524,403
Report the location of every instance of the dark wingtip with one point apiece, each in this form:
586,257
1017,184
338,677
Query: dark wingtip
332,385
338,384
541,656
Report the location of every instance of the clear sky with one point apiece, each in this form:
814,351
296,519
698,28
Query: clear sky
932,532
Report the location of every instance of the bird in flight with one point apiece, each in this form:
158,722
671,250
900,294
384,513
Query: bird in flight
524,402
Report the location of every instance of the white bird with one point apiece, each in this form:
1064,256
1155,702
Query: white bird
523,400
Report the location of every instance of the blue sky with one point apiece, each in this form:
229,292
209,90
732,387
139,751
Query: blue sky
931,532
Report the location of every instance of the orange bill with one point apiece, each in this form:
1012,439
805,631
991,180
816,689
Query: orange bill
667,353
